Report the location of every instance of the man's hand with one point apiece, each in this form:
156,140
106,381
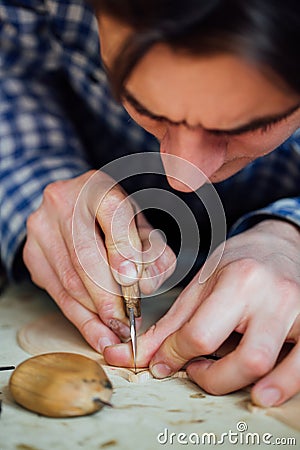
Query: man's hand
254,291
93,305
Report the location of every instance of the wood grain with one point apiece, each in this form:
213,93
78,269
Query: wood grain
60,385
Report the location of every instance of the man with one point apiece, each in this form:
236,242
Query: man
218,107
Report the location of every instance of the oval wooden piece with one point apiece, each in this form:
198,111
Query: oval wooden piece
60,385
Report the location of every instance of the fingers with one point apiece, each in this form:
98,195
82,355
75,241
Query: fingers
245,296
88,323
159,261
132,245
69,250
203,333
94,331
98,280
148,343
54,239
86,250
115,215
284,381
121,355
208,328
253,358
58,255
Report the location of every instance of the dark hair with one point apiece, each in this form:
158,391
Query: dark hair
266,32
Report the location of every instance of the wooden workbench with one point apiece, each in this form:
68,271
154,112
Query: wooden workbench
140,413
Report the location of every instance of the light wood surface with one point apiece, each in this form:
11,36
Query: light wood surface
142,412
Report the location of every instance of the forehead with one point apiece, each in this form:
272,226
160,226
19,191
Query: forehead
176,84
229,89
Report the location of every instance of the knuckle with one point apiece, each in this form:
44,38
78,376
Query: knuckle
52,192
168,258
63,300
34,274
37,281
289,290
112,200
163,265
86,328
57,196
258,363
251,272
30,260
171,264
71,282
81,249
174,355
249,267
202,342
119,246
34,221
171,256
56,189
27,254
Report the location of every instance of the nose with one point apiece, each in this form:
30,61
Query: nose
198,148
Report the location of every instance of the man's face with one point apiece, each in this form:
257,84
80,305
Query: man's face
217,112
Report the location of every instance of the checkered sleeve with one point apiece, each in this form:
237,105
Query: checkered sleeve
38,144
276,175
287,209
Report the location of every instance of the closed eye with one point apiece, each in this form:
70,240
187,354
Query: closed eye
145,112
263,128
261,124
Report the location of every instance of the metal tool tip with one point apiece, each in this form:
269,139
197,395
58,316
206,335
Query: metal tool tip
133,336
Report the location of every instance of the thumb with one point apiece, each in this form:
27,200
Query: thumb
149,342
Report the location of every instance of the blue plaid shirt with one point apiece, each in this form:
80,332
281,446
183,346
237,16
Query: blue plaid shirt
58,120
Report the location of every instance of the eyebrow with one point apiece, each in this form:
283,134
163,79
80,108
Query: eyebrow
253,125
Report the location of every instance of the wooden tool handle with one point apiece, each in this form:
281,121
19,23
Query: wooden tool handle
132,299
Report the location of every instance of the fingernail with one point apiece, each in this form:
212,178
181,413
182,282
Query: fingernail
104,342
119,328
268,397
127,273
160,370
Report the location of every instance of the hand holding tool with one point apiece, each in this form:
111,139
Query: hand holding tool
132,300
